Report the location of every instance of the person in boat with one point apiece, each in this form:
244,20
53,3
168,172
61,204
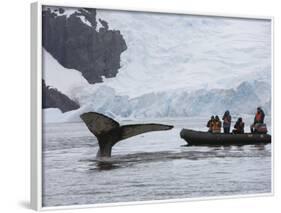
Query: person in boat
239,127
210,123
226,122
217,125
258,126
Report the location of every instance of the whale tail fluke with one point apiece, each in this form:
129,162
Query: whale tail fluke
109,131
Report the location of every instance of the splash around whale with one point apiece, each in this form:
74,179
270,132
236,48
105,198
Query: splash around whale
109,132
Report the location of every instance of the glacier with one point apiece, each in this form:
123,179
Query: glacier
169,51
176,66
172,104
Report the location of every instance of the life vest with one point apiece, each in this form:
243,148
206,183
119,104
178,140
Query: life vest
216,126
240,126
226,121
258,117
227,118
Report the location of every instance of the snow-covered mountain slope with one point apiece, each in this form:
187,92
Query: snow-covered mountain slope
178,65
65,80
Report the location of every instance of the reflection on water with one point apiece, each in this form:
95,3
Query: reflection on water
104,166
215,152
151,166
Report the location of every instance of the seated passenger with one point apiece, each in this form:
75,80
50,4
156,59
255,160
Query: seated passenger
217,125
258,121
210,124
238,127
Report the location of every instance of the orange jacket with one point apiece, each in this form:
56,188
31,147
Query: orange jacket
216,126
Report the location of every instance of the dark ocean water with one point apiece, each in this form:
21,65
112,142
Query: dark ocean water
152,166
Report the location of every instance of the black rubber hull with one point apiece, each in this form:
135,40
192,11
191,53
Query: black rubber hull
198,138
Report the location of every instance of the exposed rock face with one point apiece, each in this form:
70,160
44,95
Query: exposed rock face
74,41
52,98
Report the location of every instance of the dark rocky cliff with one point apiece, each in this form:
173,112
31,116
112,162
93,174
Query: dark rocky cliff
52,98
75,42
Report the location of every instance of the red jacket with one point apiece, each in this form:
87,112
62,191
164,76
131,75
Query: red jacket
259,118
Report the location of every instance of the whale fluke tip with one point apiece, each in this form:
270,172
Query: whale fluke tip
98,123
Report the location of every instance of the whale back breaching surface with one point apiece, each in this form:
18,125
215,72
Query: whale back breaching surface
109,132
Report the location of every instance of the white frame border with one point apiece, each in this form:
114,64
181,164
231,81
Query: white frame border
36,107
36,101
